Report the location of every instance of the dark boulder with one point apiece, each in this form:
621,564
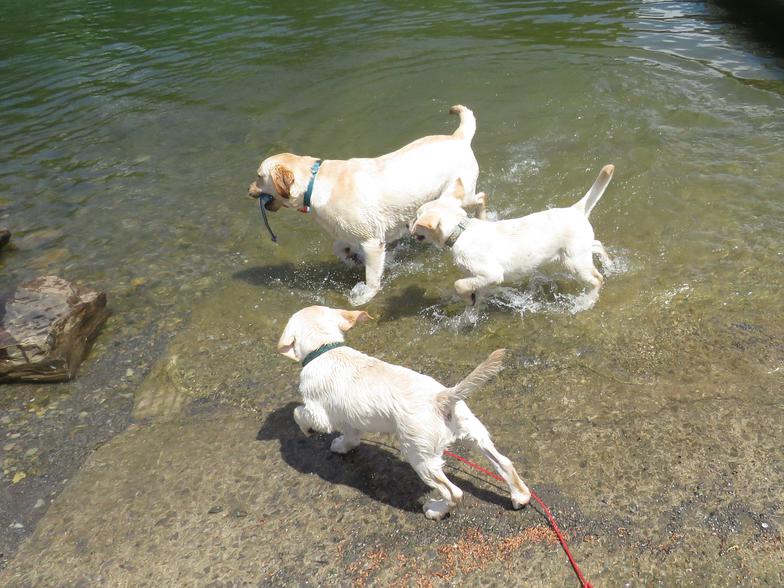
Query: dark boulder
5,237
46,327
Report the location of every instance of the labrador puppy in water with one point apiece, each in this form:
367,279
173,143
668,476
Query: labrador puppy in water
366,203
494,253
347,391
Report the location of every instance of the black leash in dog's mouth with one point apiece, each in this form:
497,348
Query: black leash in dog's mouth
265,199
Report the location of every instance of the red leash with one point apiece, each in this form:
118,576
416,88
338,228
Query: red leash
550,517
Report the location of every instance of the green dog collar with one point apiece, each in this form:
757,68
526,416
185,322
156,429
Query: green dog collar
320,351
461,226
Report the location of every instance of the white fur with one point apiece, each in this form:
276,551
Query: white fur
366,203
494,253
347,391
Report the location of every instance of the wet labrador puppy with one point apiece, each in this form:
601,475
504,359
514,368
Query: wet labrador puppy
494,253
366,203
347,391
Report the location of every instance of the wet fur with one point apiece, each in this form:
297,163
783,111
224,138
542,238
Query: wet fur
494,253
347,391
366,203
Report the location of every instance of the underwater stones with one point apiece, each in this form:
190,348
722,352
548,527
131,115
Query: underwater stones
5,237
46,326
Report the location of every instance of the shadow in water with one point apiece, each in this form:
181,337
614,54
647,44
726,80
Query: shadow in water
374,469
302,277
409,302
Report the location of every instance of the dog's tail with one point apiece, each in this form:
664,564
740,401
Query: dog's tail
482,373
467,126
592,196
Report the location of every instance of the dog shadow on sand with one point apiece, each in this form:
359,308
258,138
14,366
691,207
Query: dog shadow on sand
373,468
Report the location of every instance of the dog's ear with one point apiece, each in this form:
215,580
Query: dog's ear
459,190
282,178
427,221
352,317
286,347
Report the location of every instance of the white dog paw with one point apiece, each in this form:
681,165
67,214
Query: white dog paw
361,294
299,418
520,499
342,445
436,510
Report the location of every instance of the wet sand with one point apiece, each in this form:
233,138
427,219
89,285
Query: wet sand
213,481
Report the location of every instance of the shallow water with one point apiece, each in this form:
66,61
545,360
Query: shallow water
128,136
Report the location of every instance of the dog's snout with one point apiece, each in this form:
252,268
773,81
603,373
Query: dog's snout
254,191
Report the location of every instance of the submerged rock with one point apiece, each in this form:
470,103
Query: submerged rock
46,326
5,237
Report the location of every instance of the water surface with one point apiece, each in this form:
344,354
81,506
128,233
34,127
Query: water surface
128,136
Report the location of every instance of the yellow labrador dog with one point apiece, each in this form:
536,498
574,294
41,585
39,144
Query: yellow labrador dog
345,390
366,203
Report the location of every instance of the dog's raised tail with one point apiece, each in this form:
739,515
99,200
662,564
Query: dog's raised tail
467,126
592,196
481,374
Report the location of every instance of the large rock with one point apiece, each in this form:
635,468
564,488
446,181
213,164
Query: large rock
46,326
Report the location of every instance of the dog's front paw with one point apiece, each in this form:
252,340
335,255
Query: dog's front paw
361,294
436,510
342,445
299,418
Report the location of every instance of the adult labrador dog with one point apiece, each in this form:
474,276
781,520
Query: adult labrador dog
365,203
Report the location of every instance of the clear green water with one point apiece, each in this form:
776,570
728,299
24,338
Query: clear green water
129,135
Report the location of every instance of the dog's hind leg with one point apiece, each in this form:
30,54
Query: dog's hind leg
469,427
349,440
594,280
582,267
598,249
476,202
430,470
